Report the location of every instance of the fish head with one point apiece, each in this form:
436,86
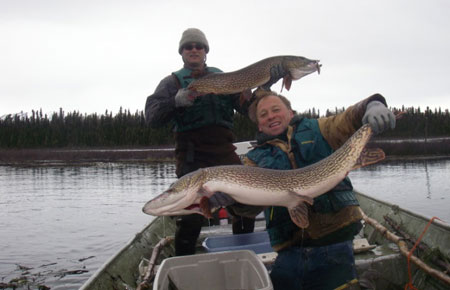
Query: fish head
299,66
183,197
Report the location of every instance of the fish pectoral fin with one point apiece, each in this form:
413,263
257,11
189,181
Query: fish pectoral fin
299,215
205,208
369,156
287,82
303,198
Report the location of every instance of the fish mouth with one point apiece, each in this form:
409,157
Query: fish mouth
169,204
318,66
202,207
298,73
191,209
171,210
192,206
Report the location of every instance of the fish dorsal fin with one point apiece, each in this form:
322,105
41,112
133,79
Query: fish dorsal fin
369,156
299,215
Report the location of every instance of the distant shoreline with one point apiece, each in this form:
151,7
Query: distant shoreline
90,156
67,156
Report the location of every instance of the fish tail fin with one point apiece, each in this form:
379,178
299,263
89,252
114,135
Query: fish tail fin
299,215
369,156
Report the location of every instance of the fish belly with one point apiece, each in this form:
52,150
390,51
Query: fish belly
252,195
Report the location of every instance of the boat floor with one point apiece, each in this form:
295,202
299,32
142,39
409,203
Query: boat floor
381,266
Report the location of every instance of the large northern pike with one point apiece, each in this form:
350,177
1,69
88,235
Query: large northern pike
266,187
255,75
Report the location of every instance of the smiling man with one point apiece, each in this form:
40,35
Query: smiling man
202,128
273,116
319,256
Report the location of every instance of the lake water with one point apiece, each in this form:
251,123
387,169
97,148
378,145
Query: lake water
422,186
59,224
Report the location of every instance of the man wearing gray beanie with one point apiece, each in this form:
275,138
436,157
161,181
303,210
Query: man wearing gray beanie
193,35
202,128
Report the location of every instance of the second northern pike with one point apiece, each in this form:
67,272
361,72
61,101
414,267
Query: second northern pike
255,75
266,187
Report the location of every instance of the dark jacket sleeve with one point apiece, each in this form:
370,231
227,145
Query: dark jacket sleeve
160,106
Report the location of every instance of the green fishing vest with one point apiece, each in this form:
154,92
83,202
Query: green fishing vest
309,147
206,110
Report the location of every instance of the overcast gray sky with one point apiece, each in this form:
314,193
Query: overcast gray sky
97,55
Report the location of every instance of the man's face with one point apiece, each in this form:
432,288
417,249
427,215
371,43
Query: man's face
194,55
273,115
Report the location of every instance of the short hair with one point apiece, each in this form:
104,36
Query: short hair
261,94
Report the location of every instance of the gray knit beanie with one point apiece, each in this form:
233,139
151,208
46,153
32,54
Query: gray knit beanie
193,35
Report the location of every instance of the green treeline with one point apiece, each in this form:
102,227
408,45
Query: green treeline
77,130
125,129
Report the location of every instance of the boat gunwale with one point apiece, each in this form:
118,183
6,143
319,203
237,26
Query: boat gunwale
110,261
436,222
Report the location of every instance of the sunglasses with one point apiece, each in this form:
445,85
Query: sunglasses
197,46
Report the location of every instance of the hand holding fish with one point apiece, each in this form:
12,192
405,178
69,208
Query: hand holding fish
276,72
183,98
379,117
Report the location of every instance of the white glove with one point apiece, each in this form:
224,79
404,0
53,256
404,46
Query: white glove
379,117
182,98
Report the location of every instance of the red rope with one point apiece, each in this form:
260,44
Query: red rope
409,285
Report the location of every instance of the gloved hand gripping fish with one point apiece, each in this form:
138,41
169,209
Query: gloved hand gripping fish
266,187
